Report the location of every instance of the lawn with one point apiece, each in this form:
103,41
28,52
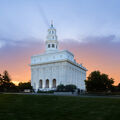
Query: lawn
33,107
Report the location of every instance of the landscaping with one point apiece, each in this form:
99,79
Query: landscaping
37,107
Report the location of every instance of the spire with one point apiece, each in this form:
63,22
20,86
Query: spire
51,23
51,41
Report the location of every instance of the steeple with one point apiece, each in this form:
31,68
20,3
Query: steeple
51,41
51,23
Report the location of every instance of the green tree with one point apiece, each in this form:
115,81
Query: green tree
25,85
1,82
5,83
99,82
6,77
118,87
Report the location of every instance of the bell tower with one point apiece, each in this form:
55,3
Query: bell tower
51,41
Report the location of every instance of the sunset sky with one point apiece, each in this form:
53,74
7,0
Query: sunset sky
88,28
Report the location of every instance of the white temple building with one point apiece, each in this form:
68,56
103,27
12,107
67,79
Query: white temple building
55,67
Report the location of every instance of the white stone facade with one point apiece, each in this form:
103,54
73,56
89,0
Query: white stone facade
55,67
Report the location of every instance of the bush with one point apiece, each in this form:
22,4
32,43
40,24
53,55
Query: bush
50,91
67,88
61,88
25,85
70,88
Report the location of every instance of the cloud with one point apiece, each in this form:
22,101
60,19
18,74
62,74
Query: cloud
86,40
21,43
2,43
94,39
98,45
100,39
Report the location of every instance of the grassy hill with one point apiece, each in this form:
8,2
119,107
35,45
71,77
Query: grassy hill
33,107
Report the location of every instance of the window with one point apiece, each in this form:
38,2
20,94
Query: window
56,46
40,84
47,83
53,37
52,32
53,45
48,45
54,83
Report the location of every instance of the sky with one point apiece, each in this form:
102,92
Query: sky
90,29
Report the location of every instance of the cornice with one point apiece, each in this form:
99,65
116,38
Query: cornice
59,61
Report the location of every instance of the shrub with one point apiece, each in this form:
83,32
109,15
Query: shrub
50,91
61,88
67,88
70,88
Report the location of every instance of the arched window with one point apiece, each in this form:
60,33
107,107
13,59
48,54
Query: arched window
48,45
53,45
40,84
54,83
47,83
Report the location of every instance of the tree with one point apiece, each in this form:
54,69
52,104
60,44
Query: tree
1,82
6,77
98,82
25,85
5,83
118,87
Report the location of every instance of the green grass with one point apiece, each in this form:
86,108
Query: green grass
33,107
